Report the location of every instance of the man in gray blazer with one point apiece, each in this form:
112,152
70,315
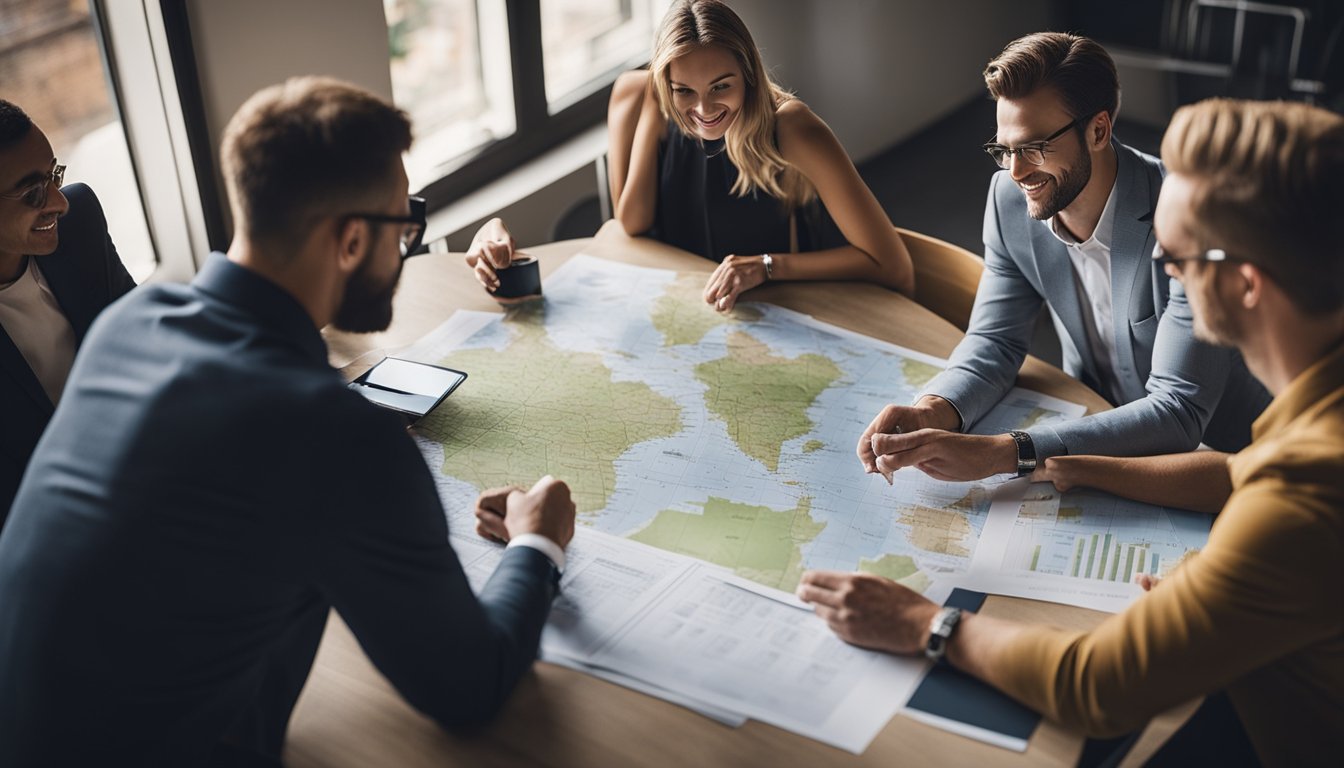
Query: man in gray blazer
1069,223
209,489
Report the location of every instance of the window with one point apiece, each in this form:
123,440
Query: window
52,66
490,84
450,71
586,43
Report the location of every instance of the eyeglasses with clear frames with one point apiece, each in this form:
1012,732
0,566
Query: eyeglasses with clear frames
411,233
35,196
1033,152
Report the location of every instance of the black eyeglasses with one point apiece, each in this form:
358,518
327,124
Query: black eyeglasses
1033,152
413,230
35,196
1161,258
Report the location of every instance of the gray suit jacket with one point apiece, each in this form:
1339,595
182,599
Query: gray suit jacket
1175,391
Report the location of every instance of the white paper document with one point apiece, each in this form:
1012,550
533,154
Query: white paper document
760,656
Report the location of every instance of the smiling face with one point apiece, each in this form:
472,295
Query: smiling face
24,230
707,90
1054,185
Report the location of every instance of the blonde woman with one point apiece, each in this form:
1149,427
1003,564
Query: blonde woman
708,154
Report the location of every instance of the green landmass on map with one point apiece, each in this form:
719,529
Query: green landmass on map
812,446
942,529
682,315
533,409
758,543
899,568
762,398
918,373
1035,416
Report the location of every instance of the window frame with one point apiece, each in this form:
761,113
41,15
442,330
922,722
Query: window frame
536,129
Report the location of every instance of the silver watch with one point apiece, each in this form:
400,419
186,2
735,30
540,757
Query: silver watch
769,262
944,623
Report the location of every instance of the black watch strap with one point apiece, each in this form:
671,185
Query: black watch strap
1026,453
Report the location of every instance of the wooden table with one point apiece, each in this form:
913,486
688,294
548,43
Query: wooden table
349,715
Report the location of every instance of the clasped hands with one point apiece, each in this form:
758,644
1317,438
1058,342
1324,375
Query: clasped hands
921,436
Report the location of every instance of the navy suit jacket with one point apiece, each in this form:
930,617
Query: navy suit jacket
85,274
208,486
1175,389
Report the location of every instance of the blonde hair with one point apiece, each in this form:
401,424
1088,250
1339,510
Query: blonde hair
750,139
1269,180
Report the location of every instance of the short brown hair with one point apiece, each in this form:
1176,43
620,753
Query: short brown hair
1269,180
307,148
1079,69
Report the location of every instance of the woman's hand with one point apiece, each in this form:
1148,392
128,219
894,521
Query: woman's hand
733,276
491,249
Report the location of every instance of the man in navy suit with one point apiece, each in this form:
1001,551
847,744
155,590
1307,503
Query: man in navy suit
209,488
58,270
1069,225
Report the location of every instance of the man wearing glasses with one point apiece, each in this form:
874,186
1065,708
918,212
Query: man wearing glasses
209,488
1069,223
58,270
1249,220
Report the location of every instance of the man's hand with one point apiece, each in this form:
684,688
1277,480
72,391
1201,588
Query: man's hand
547,509
733,276
869,611
1059,470
946,455
1147,581
931,412
491,249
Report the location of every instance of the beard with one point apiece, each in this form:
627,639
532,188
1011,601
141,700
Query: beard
1068,185
367,305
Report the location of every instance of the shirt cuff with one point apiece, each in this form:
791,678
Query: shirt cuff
543,545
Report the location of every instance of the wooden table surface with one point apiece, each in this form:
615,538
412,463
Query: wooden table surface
349,715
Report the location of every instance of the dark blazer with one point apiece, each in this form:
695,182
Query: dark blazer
207,488
86,275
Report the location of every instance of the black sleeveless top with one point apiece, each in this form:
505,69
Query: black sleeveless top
697,211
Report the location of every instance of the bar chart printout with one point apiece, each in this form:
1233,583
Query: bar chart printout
1082,548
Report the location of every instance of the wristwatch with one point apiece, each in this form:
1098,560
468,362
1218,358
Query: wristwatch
769,263
1026,453
944,623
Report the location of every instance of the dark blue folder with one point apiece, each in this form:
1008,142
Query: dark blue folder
954,695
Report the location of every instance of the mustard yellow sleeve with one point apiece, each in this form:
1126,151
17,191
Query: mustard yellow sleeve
1259,590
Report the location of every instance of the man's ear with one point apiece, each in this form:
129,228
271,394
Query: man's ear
1099,131
1253,288
352,239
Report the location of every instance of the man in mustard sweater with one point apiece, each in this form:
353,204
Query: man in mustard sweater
1249,221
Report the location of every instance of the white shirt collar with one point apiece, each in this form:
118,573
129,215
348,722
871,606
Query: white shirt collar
1101,235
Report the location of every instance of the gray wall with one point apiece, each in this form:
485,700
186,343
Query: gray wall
878,71
243,46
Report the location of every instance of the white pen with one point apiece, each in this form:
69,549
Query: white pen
886,473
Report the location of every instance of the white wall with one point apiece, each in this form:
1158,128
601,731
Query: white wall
878,71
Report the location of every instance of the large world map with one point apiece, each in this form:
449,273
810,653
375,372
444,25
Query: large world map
729,438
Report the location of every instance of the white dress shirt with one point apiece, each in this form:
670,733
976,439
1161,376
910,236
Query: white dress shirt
1092,277
33,319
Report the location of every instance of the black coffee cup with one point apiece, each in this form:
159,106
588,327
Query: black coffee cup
520,280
